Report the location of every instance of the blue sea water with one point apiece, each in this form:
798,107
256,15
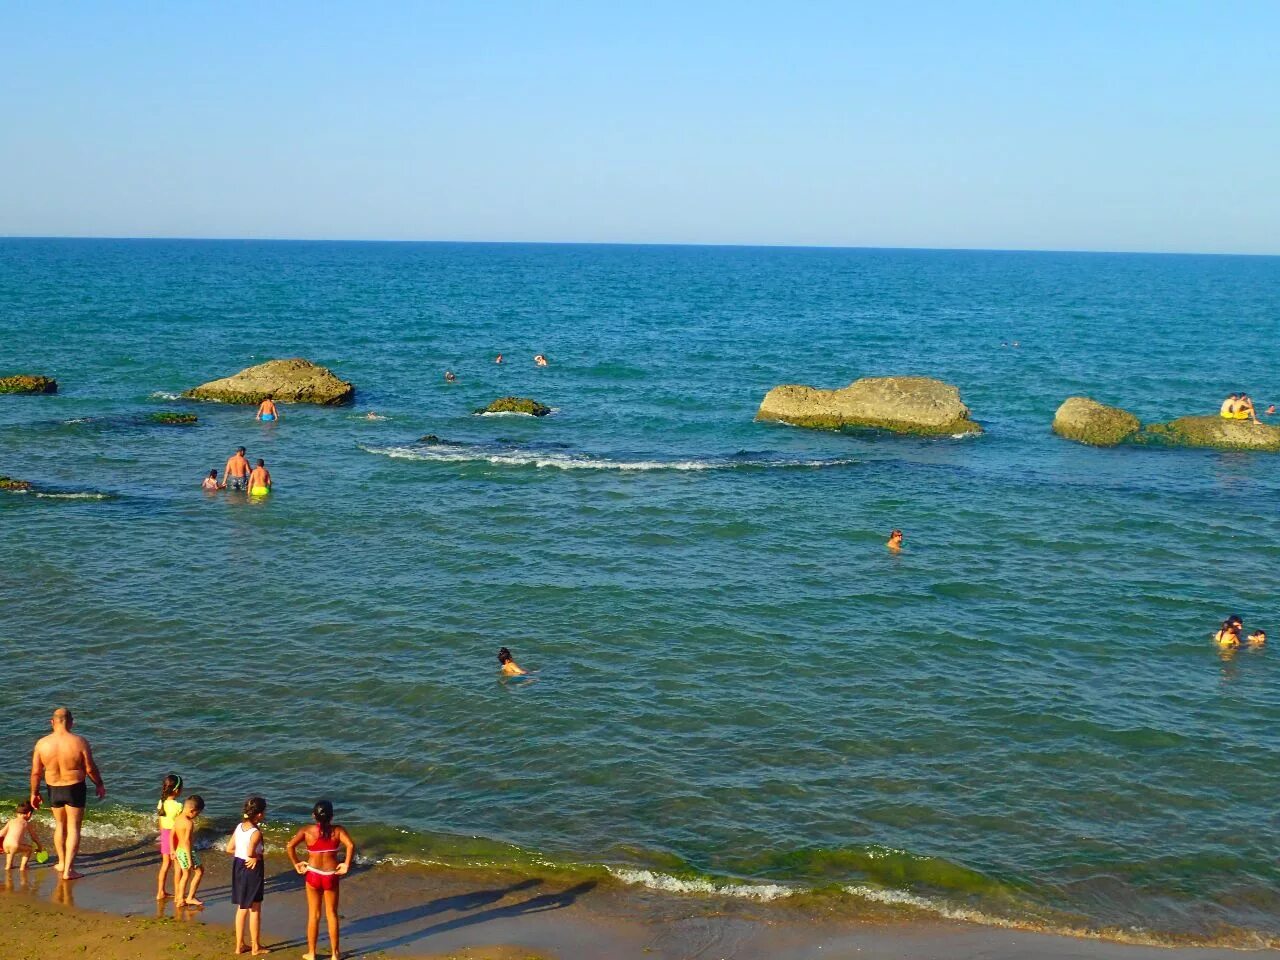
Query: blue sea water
1020,715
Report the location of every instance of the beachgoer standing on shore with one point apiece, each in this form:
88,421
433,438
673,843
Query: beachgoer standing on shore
166,811
248,873
507,664
65,760
260,480
267,410
322,871
236,473
190,870
17,832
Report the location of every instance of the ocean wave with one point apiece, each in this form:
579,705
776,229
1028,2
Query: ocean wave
668,883
164,395
72,495
516,457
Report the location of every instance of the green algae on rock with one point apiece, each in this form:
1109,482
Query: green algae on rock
28,383
1213,432
9,483
173,419
525,405
1087,421
908,405
288,381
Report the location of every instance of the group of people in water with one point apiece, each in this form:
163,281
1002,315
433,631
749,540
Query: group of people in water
63,760
539,360
1228,634
239,475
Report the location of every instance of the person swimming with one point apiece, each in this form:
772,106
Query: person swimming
894,543
498,358
507,665
1228,635
211,481
267,410
540,360
449,377
1257,638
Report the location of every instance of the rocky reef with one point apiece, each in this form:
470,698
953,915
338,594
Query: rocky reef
289,381
28,383
1214,432
920,406
517,405
173,419
1085,420
9,483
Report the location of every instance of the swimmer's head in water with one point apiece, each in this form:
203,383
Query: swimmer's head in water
1235,621
504,655
254,807
1258,636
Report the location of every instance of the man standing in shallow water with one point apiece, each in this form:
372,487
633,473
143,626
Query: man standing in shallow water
65,759
235,476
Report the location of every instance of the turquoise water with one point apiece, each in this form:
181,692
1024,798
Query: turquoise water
1022,714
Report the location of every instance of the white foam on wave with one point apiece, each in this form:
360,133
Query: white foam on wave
901,898
763,892
165,395
84,495
563,461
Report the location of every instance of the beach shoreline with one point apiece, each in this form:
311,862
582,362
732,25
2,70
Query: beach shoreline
420,911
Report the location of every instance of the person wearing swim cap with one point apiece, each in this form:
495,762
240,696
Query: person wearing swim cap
235,475
540,360
260,480
267,411
65,760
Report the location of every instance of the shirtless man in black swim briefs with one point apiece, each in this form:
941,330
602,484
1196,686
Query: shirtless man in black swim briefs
65,759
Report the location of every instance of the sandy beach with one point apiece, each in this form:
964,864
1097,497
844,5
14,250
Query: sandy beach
420,912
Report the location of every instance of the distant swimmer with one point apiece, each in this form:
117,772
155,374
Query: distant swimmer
894,542
211,481
1271,409
267,410
449,377
323,871
373,416
236,473
540,360
507,665
1228,635
498,358
260,480
65,760
1257,638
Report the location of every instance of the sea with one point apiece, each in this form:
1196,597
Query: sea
735,689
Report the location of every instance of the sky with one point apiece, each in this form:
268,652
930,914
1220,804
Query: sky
1120,125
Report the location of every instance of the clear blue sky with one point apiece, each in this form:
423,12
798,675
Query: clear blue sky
1122,125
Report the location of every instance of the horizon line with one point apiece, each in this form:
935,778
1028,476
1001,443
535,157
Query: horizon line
635,243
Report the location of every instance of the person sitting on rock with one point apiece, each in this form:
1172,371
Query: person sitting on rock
1244,409
1228,408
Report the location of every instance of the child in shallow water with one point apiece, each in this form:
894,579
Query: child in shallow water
167,811
1257,638
1228,635
211,481
507,664
20,837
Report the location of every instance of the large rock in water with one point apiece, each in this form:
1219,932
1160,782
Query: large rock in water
525,405
9,483
1214,432
289,381
914,405
1087,421
28,383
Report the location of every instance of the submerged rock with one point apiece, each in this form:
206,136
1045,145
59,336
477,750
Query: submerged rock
28,383
9,483
517,405
173,419
1214,432
1087,421
910,405
289,381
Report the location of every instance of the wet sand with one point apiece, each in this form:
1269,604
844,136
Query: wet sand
416,912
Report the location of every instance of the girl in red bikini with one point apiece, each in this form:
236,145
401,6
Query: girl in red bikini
322,871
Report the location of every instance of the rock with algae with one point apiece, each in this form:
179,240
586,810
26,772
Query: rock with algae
907,405
173,419
525,405
1214,432
289,381
9,483
28,383
1085,420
